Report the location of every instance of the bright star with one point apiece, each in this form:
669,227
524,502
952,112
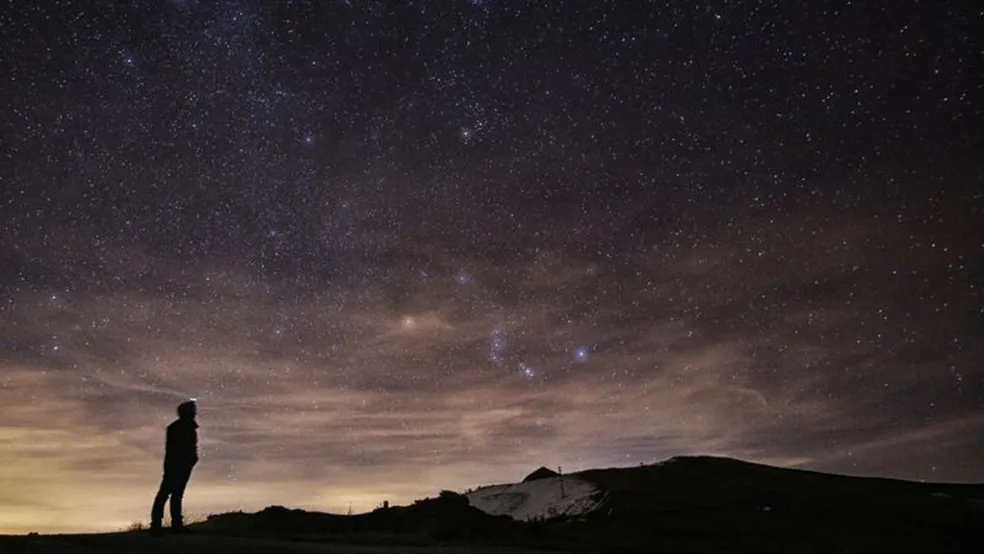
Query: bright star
526,370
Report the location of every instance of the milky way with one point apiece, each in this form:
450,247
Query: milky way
394,250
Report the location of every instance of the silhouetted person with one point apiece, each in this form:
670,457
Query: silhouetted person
180,457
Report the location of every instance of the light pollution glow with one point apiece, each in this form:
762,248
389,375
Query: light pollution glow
347,398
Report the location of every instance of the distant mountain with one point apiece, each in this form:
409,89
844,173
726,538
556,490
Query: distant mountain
685,504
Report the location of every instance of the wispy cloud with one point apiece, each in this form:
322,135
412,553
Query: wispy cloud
410,383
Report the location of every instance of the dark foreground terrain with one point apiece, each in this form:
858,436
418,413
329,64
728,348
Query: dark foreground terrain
140,543
708,504
685,505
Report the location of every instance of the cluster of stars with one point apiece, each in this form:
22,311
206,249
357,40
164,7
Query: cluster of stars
438,233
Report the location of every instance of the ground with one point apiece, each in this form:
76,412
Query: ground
141,543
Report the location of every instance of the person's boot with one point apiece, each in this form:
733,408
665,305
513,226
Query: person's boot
156,530
177,526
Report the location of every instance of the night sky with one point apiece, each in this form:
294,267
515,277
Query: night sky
399,247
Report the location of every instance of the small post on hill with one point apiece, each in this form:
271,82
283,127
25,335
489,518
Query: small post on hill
560,472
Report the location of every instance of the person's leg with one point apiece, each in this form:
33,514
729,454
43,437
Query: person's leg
157,512
177,498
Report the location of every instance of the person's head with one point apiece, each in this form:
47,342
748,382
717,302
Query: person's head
187,410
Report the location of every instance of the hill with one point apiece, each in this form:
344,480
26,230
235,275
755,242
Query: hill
712,503
685,504
700,504
721,501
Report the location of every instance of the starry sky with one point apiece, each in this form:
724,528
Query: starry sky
399,247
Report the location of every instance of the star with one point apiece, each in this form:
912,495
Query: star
526,371
369,235
581,354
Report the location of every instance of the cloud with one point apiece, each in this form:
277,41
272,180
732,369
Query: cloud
398,385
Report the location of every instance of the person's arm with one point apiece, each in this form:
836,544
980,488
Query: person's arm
194,445
170,448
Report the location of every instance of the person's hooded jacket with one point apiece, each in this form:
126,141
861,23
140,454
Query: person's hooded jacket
181,446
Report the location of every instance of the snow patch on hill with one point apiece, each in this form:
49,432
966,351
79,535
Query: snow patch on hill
542,498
